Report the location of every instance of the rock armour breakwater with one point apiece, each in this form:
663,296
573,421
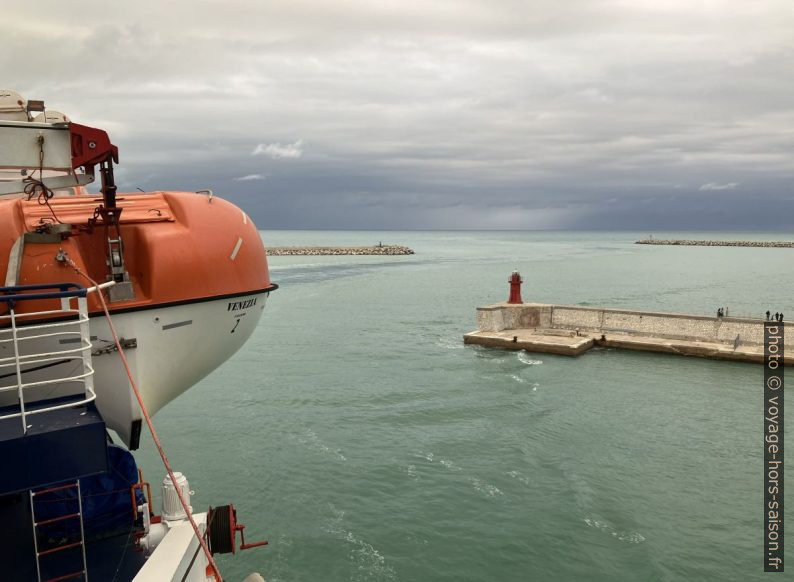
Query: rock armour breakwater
718,243
376,250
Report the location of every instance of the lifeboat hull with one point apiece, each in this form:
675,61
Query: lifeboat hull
197,283
174,348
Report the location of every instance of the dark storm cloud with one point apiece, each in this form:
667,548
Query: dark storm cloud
619,114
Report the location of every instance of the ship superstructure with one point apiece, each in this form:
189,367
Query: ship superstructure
175,282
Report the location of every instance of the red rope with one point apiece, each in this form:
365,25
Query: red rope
158,444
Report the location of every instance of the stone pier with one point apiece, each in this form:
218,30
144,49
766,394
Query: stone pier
571,330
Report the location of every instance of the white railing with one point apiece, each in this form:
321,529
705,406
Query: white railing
35,338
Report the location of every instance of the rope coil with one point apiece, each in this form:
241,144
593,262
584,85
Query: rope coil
33,185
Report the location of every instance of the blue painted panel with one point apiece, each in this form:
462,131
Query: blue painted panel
60,445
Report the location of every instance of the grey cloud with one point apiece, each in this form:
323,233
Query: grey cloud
469,114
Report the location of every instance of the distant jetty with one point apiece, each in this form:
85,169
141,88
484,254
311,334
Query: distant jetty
571,330
374,250
717,243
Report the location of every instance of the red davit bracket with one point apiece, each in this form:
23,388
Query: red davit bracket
90,146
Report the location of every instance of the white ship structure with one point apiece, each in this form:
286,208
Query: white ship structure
111,306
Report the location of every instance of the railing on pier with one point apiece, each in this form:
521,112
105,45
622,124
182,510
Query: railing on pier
36,338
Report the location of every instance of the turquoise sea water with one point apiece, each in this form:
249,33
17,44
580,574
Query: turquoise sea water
358,435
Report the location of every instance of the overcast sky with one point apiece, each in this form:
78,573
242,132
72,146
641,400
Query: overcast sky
503,114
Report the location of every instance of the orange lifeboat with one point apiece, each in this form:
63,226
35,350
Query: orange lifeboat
188,271
178,247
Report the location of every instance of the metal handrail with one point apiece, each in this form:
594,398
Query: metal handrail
65,379
66,292
46,355
91,398
45,335
41,313
63,290
56,334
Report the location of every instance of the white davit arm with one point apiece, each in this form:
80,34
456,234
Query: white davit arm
28,145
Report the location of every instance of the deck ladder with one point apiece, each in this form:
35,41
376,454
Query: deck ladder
67,543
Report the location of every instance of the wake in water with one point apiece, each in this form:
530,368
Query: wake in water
449,465
496,359
485,488
479,485
519,477
520,380
525,358
583,495
629,537
312,273
313,442
450,343
367,562
446,463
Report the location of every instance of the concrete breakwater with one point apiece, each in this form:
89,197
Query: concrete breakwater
571,330
374,250
717,243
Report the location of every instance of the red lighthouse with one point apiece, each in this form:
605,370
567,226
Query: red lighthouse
515,281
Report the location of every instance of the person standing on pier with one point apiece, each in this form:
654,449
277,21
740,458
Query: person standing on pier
776,316
781,317
768,315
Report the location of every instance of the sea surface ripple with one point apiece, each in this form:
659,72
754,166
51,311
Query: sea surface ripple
357,433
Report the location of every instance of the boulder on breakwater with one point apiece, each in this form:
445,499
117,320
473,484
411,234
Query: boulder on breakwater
717,243
374,250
